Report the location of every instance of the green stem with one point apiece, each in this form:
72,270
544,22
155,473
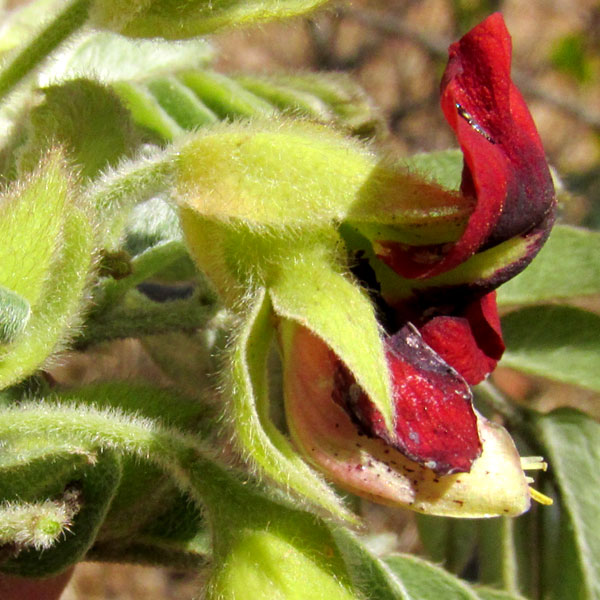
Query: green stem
141,317
28,58
131,183
73,429
143,266
492,396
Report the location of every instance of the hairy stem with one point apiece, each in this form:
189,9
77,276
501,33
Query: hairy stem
69,20
492,396
141,317
71,428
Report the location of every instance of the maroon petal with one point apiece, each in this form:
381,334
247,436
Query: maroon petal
434,421
505,168
471,343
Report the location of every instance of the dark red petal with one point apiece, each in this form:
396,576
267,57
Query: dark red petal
434,421
471,343
505,168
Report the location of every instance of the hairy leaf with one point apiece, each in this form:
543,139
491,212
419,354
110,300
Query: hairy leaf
558,342
566,267
572,440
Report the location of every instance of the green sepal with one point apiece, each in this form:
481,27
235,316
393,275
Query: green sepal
312,174
46,257
172,20
256,435
315,176
312,290
481,270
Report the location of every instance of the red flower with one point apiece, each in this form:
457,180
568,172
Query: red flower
455,337
505,169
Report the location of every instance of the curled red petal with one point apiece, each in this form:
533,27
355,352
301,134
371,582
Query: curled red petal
434,421
505,169
470,343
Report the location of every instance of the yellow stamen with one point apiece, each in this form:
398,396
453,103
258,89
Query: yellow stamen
533,462
541,498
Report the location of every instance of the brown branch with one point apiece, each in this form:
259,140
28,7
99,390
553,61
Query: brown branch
393,27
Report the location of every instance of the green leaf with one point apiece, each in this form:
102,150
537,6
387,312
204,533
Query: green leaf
151,223
188,111
404,577
165,516
172,20
14,315
443,167
146,110
488,593
224,96
256,435
324,97
498,563
572,442
21,23
559,564
571,55
87,120
424,581
109,57
97,484
449,542
566,267
372,576
558,342
46,257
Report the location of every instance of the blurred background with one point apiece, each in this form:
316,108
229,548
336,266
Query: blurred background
396,50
